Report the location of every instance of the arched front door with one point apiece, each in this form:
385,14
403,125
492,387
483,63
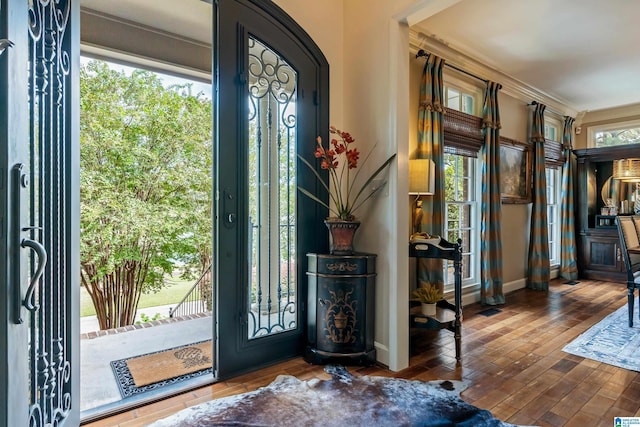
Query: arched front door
271,98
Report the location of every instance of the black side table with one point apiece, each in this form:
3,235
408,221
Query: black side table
341,304
448,316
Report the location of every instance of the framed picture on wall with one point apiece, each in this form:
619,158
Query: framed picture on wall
516,159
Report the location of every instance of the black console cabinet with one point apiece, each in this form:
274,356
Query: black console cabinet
341,304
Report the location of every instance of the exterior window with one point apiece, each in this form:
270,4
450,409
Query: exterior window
615,134
552,129
550,132
456,100
461,189
461,98
553,213
617,137
461,215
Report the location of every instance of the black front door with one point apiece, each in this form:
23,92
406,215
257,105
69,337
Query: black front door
39,213
271,98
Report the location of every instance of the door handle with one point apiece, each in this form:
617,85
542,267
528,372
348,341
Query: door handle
20,182
30,297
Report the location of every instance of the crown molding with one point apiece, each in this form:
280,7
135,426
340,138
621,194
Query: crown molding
510,86
620,113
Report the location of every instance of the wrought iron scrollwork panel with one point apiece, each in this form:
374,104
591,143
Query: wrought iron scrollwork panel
49,92
272,94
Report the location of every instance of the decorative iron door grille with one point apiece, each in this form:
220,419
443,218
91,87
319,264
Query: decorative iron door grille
272,192
44,181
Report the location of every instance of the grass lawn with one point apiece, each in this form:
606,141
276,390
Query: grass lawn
172,294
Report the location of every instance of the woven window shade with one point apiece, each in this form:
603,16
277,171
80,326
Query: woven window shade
626,170
553,154
462,133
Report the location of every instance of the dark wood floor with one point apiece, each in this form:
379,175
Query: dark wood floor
512,362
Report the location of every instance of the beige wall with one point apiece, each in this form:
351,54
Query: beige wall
376,107
324,22
367,56
515,217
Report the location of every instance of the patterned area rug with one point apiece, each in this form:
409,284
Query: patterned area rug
151,371
344,400
611,341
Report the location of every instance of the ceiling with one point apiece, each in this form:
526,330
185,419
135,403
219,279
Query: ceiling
192,19
583,53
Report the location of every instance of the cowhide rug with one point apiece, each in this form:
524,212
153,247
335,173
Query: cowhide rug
344,400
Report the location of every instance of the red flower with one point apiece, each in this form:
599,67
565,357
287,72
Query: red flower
347,137
340,148
346,195
352,158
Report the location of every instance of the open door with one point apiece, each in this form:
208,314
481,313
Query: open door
39,213
271,102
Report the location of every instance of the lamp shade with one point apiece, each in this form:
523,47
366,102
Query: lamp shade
422,174
627,170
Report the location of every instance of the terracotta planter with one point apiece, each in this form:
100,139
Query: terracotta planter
341,234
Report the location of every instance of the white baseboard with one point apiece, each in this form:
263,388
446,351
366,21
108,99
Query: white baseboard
514,285
473,294
382,353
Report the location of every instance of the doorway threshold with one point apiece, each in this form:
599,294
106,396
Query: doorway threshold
100,394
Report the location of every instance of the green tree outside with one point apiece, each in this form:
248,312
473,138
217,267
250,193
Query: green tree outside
145,186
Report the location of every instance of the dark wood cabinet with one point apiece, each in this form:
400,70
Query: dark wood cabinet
448,316
602,256
341,306
597,240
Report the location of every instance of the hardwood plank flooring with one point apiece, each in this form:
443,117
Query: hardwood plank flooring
512,362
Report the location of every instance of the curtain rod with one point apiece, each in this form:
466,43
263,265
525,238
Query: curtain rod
426,54
551,110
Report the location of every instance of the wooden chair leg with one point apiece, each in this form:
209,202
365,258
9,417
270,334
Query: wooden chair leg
630,298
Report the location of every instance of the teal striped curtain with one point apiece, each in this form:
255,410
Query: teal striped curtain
430,145
568,264
539,270
491,208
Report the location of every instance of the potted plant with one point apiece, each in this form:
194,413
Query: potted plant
349,193
428,295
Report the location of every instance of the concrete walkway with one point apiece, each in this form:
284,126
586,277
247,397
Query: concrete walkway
98,387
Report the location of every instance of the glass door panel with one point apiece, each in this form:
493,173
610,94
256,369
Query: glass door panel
272,192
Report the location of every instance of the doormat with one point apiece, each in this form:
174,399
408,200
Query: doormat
343,400
490,312
571,282
151,371
610,341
